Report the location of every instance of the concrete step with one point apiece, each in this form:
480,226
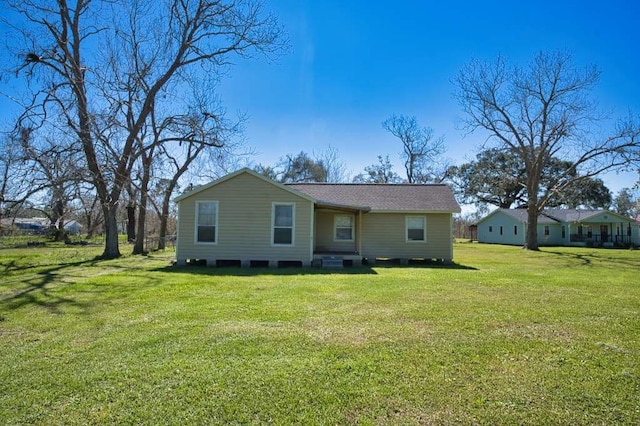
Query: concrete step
332,262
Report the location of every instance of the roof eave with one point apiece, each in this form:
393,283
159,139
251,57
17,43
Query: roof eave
416,211
336,206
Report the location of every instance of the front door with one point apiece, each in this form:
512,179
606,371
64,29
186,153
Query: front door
604,233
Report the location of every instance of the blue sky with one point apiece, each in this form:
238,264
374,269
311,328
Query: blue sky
354,63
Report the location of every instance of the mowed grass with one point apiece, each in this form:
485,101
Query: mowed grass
504,336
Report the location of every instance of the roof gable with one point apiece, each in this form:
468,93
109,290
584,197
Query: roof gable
382,197
230,176
575,215
521,215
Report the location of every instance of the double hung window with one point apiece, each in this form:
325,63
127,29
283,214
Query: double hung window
416,227
207,222
283,223
343,228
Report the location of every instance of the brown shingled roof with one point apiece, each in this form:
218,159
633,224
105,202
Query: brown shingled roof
382,197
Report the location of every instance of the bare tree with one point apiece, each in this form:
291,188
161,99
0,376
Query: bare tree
300,167
88,208
539,112
270,172
200,130
421,150
56,168
335,168
166,40
379,173
40,168
14,187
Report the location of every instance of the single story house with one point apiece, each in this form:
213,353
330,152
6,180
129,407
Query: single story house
560,227
247,219
38,225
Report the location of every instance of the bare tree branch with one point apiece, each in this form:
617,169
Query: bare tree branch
541,112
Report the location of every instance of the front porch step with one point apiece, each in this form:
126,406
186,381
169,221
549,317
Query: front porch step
332,262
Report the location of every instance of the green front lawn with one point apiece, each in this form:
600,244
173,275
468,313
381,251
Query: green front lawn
505,336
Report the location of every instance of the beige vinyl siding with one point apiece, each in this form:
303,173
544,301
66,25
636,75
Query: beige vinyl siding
325,230
245,205
384,235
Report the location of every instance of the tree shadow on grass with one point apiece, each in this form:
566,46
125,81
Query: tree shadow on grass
602,256
582,258
39,287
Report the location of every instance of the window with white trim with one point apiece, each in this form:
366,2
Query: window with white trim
546,230
343,228
416,227
207,222
283,224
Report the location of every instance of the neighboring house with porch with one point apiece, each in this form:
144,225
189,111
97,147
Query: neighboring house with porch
563,227
247,219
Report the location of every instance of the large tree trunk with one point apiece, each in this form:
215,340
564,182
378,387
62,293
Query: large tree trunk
90,230
531,242
162,244
147,158
93,222
131,221
532,228
57,213
138,247
111,248
164,216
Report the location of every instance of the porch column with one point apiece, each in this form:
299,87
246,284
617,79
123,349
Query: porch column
359,236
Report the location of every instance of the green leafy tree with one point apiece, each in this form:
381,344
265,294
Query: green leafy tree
300,167
495,178
498,178
590,193
627,203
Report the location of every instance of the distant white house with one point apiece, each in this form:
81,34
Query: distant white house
73,227
40,224
563,227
